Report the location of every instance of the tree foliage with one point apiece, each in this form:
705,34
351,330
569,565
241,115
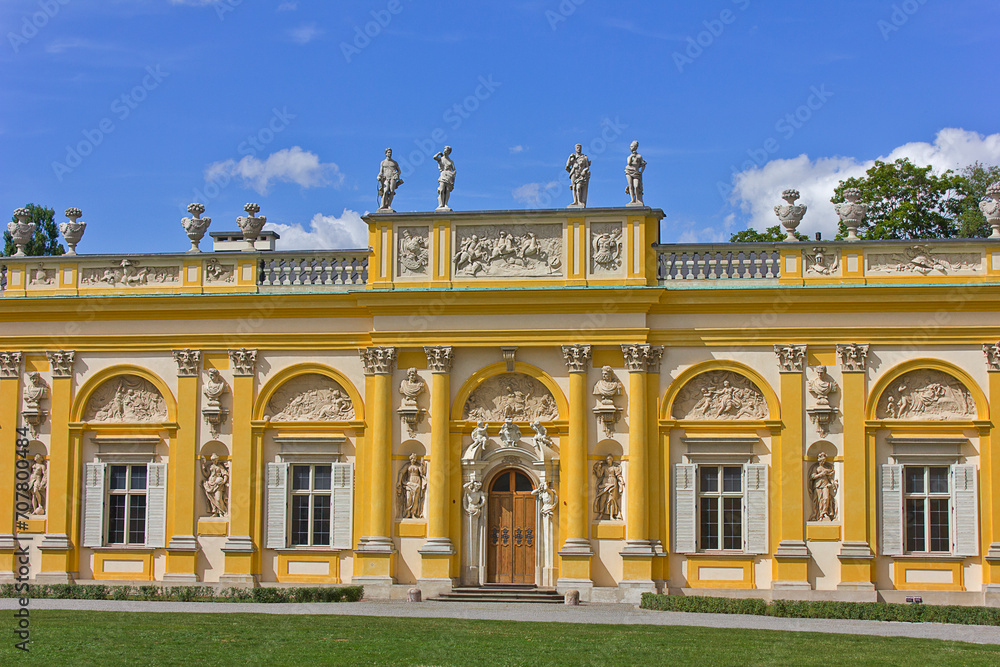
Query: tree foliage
978,177
774,234
46,238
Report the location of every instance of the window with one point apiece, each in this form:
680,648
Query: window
927,500
720,507
929,509
125,505
309,505
311,488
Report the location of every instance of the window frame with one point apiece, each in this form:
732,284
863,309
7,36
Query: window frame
311,493
721,495
926,497
127,493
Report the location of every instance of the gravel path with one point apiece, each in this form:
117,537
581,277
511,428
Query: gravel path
612,614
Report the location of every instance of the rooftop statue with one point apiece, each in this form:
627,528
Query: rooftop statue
446,182
578,166
388,180
633,172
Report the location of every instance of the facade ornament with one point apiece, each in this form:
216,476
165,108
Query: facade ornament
541,440
720,396
511,395
820,262
61,363
474,499
244,362
991,209
577,357
187,362
926,395
642,358
821,386
480,438
791,358
439,358
508,354
547,497
217,272
790,214
195,227
72,231
510,434
578,166
126,399
606,247
610,488
411,487
10,364
446,182
920,260
823,489
42,275
605,390
388,180
853,357
215,415
633,174
310,398
216,485
21,231
35,391
378,360
992,352
410,389
413,253
851,213
508,251
38,482
250,225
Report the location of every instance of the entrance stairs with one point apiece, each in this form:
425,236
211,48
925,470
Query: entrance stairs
501,593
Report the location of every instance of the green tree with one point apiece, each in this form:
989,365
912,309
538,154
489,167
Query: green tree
774,234
978,177
906,201
46,238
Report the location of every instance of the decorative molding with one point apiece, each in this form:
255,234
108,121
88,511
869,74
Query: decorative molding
35,391
720,395
439,358
61,363
791,358
853,357
926,394
509,353
244,362
187,362
511,395
605,390
409,411
215,415
992,352
10,364
642,358
311,397
378,360
577,357
126,399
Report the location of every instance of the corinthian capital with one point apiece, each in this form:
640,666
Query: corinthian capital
577,357
378,360
642,358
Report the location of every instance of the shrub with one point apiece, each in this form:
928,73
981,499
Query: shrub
190,593
236,594
97,592
121,592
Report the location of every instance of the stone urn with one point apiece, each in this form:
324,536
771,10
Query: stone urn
852,214
251,225
790,214
991,209
195,227
72,231
21,231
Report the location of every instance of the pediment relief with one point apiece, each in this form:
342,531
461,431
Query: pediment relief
126,399
515,396
926,394
720,396
311,397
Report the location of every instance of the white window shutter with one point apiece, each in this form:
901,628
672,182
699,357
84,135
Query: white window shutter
685,509
891,526
756,504
156,505
965,510
93,504
277,505
342,501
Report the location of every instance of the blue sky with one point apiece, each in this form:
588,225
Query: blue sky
132,109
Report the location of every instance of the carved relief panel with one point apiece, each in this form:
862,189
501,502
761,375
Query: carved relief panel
720,395
126,399
412,252
310,397
508,251
920,260
926,394
605,248
511,396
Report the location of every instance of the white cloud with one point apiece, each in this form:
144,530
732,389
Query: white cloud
289,165
758,190
348,231
534,193
305,33
517,149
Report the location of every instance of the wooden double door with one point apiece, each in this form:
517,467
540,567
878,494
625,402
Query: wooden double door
511,533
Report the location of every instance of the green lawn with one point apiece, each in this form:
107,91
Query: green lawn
105,638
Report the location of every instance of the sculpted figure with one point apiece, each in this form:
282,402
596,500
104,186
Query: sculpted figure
413,252
35,391
479,440
474,499
823,490
821,386
388,180
633,172
446,182
411,387
411,487
38,481
610,486
547,496
541,439
607,387
215,388
510,434
216,485
578,166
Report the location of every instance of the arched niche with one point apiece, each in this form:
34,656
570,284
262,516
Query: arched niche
720,391
526,394
308,393
926,390
125,395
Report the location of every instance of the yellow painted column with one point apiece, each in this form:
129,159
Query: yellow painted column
182,549
59,564
790,566
657,486
10,401
857,560
989,491
576,551
242,553
375,552
437,551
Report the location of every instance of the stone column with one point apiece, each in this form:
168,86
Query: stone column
657,482
182,549
989,485
791,559
59,556
857,561
242,553
436,554
576,550
10,399
375,550
637,566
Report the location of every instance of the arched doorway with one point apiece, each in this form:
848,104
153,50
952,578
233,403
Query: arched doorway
511,532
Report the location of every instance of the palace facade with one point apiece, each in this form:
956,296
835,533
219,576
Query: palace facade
537,397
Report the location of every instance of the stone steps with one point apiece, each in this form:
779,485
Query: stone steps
501,594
